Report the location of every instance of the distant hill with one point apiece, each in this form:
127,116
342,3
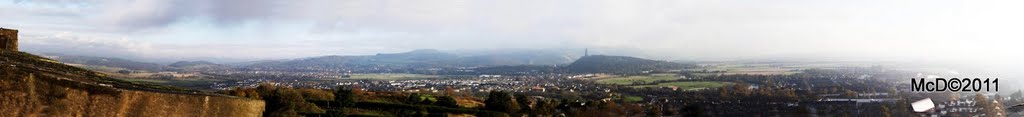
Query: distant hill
417,60
397,60
520,70
107,62
425,58
515,57
619,64
191,63
415,56
37,86
198,66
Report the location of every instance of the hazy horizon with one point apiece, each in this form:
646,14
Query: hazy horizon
981,33
511,58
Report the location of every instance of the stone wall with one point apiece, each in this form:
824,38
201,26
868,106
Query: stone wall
8,39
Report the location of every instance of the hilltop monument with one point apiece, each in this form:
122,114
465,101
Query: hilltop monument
8,39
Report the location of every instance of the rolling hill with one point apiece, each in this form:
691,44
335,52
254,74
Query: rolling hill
106,62
620,64
426,58
198,66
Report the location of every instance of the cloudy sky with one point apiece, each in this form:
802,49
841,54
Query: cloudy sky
984,31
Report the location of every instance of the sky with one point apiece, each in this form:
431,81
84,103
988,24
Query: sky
985,32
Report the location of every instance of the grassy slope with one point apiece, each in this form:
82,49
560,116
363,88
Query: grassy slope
31,82
36,63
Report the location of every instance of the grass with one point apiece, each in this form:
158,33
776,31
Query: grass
752,69
687,85
194,83
468,102
158,81
22,59
367,112
183,81
627,80
96,68
632,99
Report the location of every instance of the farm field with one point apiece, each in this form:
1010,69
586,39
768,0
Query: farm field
766,68
687,85
627,80
194,83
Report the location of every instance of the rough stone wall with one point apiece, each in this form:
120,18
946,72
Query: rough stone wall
29,93
8,39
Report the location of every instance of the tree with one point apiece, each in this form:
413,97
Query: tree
344,97
501,101
265,89
449,91
317,94
546,107
490,114
654,110
125,72
524,104
633,109
414,98
885,111
991,108
612,108
741,89
336,113
244,92
850,93
692,111
288,103
447,101
790,95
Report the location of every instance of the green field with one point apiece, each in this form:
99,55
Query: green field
771,68
627,80
633,98
687,85
158,81
193,83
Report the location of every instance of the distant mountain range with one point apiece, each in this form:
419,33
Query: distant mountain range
592,64
198,66
422,58
517,57
549,61
135,65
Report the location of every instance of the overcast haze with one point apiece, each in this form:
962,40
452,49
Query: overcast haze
966,31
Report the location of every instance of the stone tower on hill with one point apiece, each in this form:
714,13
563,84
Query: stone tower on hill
8,39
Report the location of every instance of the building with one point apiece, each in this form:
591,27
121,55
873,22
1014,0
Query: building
8,39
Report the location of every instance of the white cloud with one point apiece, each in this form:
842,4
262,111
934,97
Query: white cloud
874,29
67,42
